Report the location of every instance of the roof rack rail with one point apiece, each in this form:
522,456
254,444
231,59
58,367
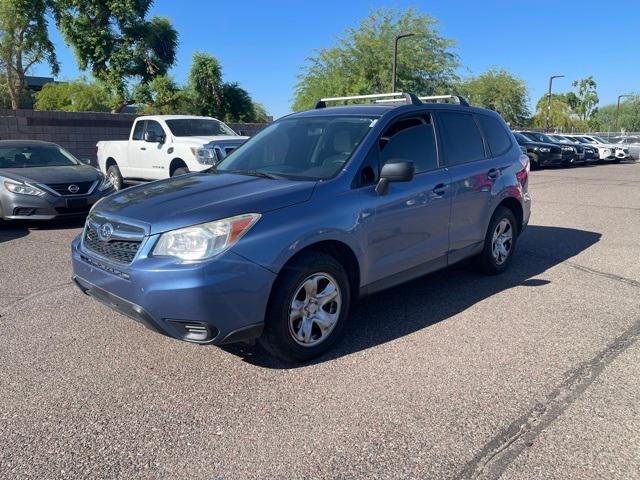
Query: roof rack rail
408,98
461,100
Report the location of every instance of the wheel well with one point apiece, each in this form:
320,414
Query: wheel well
515,207
175,164
110,162
343,254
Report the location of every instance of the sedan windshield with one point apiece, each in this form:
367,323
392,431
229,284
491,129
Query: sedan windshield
198,127
540,137
300,148
35,156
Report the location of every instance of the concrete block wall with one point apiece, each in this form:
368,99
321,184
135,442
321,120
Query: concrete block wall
78,132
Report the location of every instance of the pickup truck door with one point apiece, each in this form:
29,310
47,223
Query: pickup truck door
132,167
153,157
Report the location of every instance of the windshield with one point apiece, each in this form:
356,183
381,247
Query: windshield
35,156
600,139
521,138
540,137
198,127
300,148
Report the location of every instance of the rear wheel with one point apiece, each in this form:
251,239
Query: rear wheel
308,307
499,243
115,177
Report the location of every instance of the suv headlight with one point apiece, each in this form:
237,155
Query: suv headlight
205,156
105,184
200,242
23,188
544,149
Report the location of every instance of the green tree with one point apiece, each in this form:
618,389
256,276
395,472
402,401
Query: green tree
205,85
561,115
585,100
161,96
361,61
629,120
260,114
24,42
499,90
236,104
74,96
117,43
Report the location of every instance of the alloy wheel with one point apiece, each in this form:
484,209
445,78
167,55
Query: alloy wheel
502,242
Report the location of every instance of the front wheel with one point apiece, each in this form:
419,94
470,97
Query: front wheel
499,243
309,305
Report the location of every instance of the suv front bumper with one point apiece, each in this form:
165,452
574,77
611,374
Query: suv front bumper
219,301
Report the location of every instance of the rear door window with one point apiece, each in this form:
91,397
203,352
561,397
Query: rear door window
495,134
138,130
461,138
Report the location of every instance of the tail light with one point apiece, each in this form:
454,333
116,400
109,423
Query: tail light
524,173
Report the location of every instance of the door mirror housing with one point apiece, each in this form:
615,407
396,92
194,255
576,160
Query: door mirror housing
395,171
153,137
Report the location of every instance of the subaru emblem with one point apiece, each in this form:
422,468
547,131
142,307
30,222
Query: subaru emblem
105,231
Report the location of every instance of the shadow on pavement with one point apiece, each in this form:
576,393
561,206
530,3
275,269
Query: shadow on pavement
15,229
428,300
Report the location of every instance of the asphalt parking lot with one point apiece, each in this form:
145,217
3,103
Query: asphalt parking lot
532,374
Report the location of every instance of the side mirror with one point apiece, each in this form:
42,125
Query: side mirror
395,171
153,137
241,133
86,161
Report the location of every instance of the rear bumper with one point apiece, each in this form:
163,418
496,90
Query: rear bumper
215,302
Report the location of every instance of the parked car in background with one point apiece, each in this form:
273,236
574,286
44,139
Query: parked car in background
606,153
42,181
540,154
580,157
163,146
617,152
590,152
319,208
568,151
632,143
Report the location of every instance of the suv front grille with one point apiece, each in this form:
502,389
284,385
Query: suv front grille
63,188
121,247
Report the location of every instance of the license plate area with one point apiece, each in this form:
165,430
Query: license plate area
77,203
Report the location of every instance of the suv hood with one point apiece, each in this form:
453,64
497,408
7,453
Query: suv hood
49,175
201,197
199,141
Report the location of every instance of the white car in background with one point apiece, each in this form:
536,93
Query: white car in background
163,146
607,151
632,142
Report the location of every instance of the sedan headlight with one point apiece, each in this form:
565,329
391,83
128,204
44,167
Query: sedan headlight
200,242
23,188
205,156
105,184
544,149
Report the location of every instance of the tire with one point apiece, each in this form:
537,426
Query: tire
180,171
284,335
534,161
113,172
488,261
617,160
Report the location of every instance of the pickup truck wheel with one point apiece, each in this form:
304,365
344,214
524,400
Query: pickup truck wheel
308,308
499,243
113,172
180,171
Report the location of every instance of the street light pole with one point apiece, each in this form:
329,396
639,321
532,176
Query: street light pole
549,99
618,108
395,58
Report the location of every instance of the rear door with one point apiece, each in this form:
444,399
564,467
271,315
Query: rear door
473,174
408,227
133,166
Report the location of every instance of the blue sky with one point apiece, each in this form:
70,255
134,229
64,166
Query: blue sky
264,44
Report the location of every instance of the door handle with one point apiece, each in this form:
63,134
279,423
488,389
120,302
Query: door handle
493,174
143,148
439,190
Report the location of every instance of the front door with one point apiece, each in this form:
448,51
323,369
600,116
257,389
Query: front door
406,230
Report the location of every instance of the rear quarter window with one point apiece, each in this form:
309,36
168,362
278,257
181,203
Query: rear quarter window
461,137
497,138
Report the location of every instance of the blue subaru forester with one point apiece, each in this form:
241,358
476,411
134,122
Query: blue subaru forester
320,208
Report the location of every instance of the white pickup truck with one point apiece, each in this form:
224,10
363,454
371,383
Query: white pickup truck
162,146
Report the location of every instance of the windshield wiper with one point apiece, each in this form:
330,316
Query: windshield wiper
256,173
